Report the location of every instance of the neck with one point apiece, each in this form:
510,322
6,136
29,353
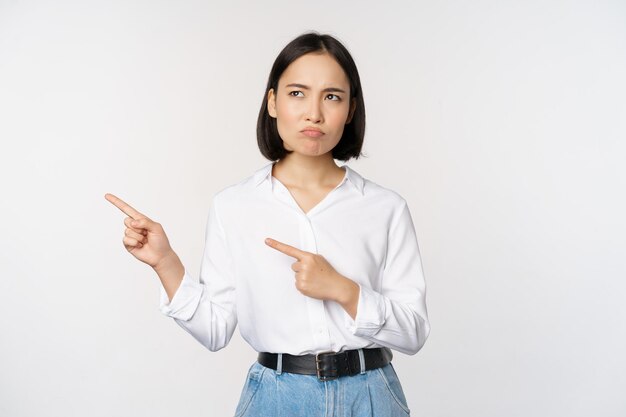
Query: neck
307,171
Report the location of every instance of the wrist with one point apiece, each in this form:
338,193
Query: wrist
349,292
167,262
171,273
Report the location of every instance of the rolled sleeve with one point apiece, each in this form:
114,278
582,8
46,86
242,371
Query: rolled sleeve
185,301
370,314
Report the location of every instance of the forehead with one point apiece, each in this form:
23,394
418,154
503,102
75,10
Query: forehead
316,70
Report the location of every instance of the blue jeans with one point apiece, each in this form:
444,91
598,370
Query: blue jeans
273,393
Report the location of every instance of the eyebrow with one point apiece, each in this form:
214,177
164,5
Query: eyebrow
329,89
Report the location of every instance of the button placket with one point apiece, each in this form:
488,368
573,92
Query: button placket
317,313
315,307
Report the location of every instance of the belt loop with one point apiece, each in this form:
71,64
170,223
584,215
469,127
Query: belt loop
362,361
279,364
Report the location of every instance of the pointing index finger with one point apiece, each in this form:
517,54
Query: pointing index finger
124,207
286,249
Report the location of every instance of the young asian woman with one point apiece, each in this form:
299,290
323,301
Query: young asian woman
318,266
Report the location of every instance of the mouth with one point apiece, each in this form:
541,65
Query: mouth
312,133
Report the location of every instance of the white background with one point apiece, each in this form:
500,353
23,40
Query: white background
501,122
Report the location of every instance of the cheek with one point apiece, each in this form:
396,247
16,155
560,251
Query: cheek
338,116
286,121
287,110
288,115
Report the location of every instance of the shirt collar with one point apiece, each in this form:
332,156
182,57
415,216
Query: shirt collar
264,174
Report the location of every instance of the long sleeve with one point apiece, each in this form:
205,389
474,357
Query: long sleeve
396,317
207,309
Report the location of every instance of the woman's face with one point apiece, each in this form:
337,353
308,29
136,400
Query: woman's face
313,91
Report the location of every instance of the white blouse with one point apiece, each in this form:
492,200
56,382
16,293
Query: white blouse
365,231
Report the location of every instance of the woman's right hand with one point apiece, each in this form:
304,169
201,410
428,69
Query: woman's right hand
143,238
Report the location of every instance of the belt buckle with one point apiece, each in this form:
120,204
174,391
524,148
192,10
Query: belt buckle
318,370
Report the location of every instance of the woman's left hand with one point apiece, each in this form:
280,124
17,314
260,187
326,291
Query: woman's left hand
315,276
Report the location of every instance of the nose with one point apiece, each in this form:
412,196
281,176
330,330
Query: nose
314,113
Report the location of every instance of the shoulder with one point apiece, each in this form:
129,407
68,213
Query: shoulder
242,190
386,195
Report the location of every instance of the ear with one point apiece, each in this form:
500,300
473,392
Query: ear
271,103
352,109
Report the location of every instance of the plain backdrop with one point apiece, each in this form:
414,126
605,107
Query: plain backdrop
502,123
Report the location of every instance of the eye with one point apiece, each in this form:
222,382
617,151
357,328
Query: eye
296,91
338,98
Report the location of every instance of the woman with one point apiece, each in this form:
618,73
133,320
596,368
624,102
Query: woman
323,339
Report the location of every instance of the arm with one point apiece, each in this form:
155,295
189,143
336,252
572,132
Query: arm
205,309
170,271
395,317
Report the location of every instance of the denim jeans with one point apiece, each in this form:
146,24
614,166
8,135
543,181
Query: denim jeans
273,393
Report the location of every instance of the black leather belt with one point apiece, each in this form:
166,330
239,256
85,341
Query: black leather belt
328,365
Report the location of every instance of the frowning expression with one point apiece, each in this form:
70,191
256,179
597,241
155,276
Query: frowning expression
313,93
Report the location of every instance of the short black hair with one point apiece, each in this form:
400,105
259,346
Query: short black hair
351,142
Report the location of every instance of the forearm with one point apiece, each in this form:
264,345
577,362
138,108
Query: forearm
170,271
348,296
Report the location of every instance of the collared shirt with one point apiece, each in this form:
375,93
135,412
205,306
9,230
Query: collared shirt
365,231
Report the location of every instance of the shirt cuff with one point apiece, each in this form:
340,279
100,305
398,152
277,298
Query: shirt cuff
185,301
370,313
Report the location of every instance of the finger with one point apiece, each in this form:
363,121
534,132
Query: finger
144,223
138,236
286,249
127,222
130,242
126,209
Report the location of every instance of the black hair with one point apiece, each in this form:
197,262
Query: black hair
351,142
